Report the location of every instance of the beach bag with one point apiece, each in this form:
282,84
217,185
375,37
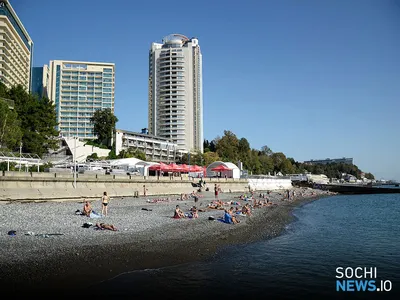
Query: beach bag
87,225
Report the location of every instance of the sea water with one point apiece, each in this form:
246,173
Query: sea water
340,231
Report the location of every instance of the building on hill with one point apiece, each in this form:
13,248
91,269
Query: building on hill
155,148
326,161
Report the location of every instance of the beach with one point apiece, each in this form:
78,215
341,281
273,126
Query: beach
52,251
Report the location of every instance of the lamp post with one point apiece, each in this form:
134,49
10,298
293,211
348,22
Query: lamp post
20,156
74,162
189,163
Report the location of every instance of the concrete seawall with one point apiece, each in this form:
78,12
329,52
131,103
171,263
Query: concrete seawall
263,184
16,186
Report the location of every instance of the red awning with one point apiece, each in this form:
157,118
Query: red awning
176,168
160,167
196,168
221,168
185,168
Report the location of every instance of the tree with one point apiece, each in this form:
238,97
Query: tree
213,146
278,159
254,165
206,145
104,125
210,157
228,146
196,158
244,146
131,152
92,156
369,176
10,131
37,118
267,165
266,150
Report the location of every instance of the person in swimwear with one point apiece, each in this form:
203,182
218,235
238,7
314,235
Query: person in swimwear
194,212
87,208
233,216
216,190
178,213
103,226
104,203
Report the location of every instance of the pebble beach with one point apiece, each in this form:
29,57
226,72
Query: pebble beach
51,250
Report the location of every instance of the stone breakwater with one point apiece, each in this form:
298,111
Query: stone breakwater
15,186
52,251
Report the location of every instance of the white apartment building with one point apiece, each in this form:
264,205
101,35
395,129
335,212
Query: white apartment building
156,148
78,89
175,92
16,49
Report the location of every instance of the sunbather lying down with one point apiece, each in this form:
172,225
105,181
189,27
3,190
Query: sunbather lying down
103,226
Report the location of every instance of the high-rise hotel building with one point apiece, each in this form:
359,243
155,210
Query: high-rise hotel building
78,89
175,92
16,49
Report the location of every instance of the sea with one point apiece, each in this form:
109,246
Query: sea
329,238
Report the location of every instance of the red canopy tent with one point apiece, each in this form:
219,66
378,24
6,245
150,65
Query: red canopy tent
185,168
176,168
220,168
196,168
160,167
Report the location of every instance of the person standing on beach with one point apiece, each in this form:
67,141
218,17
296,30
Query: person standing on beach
216,191
144,190
104,203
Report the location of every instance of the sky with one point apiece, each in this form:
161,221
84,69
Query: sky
312,79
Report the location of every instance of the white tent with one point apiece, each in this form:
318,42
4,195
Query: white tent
131,162
143,167
233,173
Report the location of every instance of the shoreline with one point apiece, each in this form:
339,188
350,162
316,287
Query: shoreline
69,263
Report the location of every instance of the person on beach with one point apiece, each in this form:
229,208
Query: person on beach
144,190
104,203
233,216
216,191
246,210
103,226
87,208
179,214
194,212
